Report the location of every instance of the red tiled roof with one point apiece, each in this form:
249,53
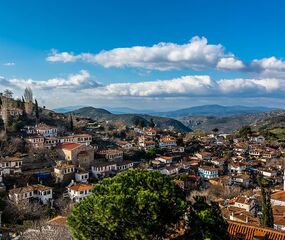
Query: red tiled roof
280,195
59,220
69,146
81,187
248,232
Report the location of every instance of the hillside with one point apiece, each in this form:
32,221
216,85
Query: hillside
214,110
128,119
261,120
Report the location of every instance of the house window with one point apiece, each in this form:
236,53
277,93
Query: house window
81,192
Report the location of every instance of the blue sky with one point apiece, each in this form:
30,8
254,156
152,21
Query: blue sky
226,52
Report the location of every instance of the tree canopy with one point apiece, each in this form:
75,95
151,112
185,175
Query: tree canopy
245,131
205,221
136,204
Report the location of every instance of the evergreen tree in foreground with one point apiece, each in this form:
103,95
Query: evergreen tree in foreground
136,204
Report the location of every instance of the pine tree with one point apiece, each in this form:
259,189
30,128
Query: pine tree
135,204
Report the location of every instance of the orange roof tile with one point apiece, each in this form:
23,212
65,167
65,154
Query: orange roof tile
81,187
248,232
69,146
59,220
280,195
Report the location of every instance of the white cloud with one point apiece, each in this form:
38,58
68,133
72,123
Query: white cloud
252,87
200,86
195,54
186,85
268,67
61,57
81,89
9,64
230,63
77,81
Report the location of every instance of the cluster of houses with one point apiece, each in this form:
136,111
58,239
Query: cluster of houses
221,160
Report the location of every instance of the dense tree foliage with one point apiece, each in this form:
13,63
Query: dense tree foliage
136,204
205,221
245,131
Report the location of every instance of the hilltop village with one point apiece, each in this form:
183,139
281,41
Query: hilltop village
51,161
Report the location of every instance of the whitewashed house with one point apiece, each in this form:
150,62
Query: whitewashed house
10,165
103,168
45,130
79,191
208,172
38,191
81,175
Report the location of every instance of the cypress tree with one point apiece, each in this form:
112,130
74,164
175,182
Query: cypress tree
36,109
267,214
71,123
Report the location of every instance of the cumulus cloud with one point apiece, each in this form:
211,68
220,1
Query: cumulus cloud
196,54
253,87
194,86
197,85
80,88
230,63
61,57
77,81
268,67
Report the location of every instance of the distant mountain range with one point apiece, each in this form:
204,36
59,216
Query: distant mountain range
228,124
100,114
67,109
204,110
214,110
206,117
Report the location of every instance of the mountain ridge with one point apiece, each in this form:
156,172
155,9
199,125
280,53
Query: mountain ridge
202,110
100,114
